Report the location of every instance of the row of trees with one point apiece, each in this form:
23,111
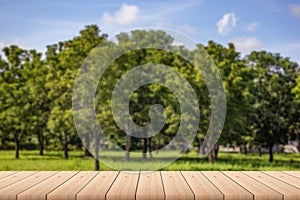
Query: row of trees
262,89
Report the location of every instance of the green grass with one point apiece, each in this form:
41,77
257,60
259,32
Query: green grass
52,160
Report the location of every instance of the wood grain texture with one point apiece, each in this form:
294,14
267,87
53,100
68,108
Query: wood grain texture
40,190
289,192
285,178
70,188
98,187
293,173
201,186
150,186
124,186
175,186
10,192
229,188
4,174
260,191
14,178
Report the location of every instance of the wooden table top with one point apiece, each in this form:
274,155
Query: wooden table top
150,185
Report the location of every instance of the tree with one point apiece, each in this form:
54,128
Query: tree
276,76
66,59
235,78
39,105
14,108
294,127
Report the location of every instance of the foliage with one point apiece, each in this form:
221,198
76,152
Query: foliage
262,88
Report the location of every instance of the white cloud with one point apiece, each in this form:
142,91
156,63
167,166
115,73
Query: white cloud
246,44
164,11
126,15
227,23
295,9
252,26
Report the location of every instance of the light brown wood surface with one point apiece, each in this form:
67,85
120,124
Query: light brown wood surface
14,178
205,185
201,186
229,188
293,173
39,191
10,192
124,186
98,187
289,192
4,174
70,188
150,186
175,186
285,178
260,191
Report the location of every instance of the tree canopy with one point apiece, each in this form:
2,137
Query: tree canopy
262,91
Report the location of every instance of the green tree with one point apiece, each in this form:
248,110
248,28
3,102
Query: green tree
235,78
39,105
275,78
14,107
65,59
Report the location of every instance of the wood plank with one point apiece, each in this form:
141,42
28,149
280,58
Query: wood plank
40,190
124,186
293,173
150,186
285,178
98,187
287,190
4,174
15,178
175,186
259,190
201,186
10,192
70,188
229,188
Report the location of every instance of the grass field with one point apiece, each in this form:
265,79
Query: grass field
52,160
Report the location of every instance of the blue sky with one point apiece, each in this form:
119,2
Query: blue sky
273,25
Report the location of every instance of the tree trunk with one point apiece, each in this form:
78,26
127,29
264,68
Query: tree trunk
97,163
216,148
128,144
145,148
17,145
199,144
157,146
259,151
128,140
87,153
65,144
87,146
211,155
41,143
271,152
150,147
245,149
